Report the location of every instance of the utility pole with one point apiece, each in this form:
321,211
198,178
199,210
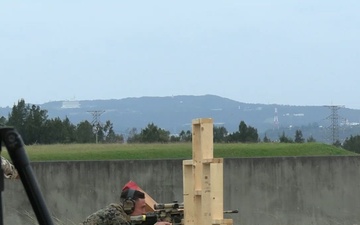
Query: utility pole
334,122
96,122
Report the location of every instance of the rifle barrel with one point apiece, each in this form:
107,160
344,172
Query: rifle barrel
231,211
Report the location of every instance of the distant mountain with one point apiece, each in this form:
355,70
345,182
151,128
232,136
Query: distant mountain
176,113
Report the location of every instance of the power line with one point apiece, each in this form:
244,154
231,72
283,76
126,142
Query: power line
96,122
334,122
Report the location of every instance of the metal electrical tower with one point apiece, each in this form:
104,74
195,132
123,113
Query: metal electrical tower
276,119
96,122
334,120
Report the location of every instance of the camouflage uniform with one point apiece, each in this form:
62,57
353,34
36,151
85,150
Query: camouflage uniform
111,215
9,170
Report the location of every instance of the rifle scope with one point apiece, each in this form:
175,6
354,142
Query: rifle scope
174,205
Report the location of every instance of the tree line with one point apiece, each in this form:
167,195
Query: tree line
35,127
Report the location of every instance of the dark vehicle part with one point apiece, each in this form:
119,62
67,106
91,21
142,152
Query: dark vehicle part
15,147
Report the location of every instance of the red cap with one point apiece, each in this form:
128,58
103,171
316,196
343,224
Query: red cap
131,184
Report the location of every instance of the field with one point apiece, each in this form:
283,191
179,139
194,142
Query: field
168,151
173,151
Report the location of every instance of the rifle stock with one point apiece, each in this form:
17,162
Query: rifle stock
147,219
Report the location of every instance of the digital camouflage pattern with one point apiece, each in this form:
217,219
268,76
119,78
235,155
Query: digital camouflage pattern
9,170
111,215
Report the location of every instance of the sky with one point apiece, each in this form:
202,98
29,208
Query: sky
297,52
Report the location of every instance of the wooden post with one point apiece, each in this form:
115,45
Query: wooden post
203,179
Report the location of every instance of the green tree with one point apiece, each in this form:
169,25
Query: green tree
84,132
243,131
252,135
185,136
337,143
99,132
56,130
133,136
3,121
34,124
152,134
266,139
284,139
52,128
17,118
233,137
352,144
299,137
245,134
220,134
174,138
28,121
110,135
310,139
68,131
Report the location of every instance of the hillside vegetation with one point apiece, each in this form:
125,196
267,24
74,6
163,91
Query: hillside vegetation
60,152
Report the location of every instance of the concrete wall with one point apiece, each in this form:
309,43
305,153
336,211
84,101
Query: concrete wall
266,191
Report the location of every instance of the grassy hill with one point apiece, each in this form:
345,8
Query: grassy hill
174,151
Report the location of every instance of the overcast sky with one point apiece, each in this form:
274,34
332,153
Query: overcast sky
302,52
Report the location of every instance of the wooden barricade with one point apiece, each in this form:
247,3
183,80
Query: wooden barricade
203,179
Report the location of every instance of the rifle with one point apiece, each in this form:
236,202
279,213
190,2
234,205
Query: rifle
170,212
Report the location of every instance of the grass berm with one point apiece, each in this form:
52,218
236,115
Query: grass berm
60,152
